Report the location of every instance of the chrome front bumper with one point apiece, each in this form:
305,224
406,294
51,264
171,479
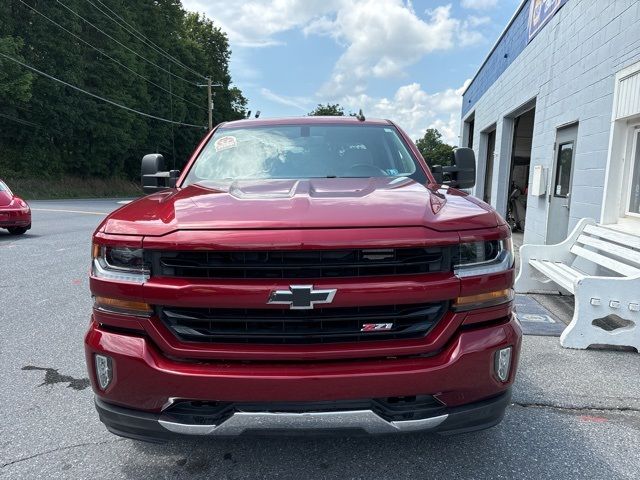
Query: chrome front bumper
158,428
366,420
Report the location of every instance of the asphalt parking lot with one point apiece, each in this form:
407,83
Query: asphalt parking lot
576,414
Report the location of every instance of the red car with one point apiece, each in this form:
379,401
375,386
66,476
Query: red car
15,214
303,274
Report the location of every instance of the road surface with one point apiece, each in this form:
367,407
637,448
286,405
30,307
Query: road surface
576,414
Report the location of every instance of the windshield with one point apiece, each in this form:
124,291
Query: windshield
3,187
304,151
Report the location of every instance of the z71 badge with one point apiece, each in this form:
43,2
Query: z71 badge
376,327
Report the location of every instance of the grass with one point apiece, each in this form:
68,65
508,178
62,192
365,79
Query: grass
72,187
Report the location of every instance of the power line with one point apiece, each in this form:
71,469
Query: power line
106,100
108,56
20,121
136,33
123,45
121,22
28,123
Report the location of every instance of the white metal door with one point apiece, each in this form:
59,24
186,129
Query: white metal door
562,176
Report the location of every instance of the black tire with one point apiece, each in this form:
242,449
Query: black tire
17,230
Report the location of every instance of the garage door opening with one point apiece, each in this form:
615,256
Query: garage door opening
519,171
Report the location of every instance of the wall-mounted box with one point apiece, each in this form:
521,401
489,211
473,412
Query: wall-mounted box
539,181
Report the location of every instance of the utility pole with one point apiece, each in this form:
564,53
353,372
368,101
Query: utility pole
209,86
210,103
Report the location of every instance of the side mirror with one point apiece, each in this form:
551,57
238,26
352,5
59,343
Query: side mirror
465,161
153,176
463,172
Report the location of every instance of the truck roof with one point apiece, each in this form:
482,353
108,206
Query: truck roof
311,120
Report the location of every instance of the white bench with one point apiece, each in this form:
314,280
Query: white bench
601,267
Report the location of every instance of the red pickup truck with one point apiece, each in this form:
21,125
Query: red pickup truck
306,274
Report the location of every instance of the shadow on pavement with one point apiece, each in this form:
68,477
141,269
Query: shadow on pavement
530,443
7,237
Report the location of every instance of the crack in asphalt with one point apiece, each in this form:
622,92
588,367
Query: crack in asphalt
59,449
574,408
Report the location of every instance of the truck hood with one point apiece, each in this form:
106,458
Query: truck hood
295,204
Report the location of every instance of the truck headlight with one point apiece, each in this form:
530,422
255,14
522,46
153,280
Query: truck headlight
123,264
482,258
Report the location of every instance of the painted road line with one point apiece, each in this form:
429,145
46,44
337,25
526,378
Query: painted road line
69,211
125,202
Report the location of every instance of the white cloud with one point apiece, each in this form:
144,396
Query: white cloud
467,36
415,110
390,29
409,5
254,23
382,38
300,103
476,21
479,4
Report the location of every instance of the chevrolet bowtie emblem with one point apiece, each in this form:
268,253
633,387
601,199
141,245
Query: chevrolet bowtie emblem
301,297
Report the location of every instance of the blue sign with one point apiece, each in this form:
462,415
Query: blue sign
540,12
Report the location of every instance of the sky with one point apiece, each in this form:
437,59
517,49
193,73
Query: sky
405,60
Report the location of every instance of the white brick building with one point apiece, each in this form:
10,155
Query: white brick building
559,94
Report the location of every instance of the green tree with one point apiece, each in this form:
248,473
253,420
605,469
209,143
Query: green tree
15,82
328,110
433,149
123,50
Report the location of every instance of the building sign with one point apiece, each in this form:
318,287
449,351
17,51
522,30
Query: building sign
540,12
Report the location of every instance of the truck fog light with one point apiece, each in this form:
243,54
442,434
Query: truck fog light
502,364
104,371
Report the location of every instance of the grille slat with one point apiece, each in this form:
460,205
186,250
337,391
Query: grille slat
323,325
328,314
301,263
